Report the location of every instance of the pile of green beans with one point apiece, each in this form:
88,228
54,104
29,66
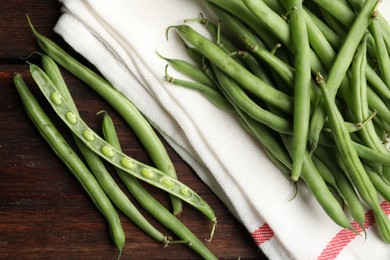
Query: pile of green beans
310,81
93,174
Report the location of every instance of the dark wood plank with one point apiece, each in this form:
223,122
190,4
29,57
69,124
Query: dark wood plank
15,34
45,213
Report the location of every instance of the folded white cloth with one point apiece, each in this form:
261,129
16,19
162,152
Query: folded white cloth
121,38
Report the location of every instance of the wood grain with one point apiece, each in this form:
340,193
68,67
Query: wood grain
44,212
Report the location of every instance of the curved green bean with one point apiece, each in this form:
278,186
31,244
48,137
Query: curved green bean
351,161
302,85
110,154
190,70
342,184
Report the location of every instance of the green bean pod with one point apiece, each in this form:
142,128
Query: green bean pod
302,85
212,94
142,171
351,162
70,158
190,70
342,184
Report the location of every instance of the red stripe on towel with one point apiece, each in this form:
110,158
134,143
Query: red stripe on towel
262,234
345,236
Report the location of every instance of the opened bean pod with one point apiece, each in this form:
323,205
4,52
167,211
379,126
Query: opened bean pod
92,140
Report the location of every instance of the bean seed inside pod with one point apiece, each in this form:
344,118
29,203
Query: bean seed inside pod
147,173
107,151
88,135
56,98
71,117
185,192
167,182
127,163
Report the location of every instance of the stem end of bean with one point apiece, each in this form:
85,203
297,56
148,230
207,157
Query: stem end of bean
213,228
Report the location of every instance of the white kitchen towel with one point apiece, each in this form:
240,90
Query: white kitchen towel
121,38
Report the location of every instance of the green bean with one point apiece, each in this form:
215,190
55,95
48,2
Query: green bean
302,85
215,30
274,23
310,174
350,159
371,155
121,104
341,183
234,24
315,182
155,208
244,102
237,72
213,95
318,41
70,158
318,187
201,62
351,199
190,70
324,170
110,154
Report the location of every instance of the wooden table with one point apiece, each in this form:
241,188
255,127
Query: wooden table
44,212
